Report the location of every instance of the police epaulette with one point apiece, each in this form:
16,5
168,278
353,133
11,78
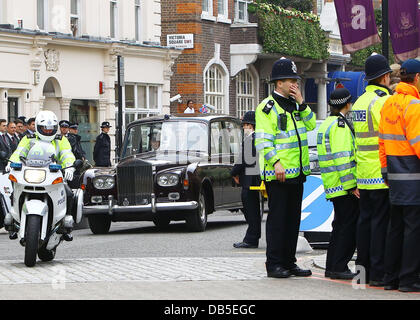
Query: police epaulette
58,137
380,93
268,106
31,135
341,123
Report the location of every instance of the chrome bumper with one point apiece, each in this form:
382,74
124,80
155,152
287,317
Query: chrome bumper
153,207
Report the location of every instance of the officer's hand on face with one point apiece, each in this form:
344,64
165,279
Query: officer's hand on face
280,172
295,93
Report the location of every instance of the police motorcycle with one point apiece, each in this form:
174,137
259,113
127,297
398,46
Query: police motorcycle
37,214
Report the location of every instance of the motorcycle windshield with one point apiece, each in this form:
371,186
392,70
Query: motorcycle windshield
41,154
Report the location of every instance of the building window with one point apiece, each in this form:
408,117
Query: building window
222,8
42,6
245,93
75,17
113,18
214,88
139,101
137,19
241,11
319,6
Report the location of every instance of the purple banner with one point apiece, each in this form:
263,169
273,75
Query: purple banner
403,28
356,20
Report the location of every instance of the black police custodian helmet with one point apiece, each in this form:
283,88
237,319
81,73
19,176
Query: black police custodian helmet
376,66
284,69
249,117
339,98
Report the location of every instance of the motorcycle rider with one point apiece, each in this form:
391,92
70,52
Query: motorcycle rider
46,127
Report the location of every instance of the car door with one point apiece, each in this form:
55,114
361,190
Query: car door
232,137
215,167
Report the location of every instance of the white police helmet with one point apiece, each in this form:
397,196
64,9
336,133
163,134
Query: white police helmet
46,125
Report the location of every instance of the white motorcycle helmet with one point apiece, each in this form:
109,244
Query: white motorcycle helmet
46,125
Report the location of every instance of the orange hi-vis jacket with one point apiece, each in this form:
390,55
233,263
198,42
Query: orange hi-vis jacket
399,145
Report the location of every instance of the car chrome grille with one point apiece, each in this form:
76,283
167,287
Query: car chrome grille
135,185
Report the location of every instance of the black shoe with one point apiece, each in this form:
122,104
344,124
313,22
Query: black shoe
345,275
415,287
67,237
13,235
327,274
298,272
244,245
279,272
376,283
391,286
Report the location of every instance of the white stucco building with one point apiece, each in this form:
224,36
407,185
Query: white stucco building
61,55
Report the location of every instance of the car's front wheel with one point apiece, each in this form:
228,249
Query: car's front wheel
99,224
197,221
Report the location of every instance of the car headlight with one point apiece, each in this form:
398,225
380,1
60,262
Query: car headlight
168,179
104,182
34,175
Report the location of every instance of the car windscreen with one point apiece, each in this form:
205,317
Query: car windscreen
166,136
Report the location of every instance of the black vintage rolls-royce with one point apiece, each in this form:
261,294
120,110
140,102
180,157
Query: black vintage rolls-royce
171,168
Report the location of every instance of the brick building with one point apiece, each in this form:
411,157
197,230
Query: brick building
226,68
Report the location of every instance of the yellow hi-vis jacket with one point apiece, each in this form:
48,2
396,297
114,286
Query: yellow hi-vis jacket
62,146
366,116
289,146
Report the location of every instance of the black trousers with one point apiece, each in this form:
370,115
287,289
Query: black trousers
252,213
343,236
371,232
282,225
402,254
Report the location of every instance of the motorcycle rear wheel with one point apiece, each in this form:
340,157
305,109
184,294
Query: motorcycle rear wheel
32,232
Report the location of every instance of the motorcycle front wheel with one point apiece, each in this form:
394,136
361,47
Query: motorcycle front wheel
46,255
33,229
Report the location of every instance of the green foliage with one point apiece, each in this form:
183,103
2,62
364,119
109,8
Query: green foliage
291,32
300,5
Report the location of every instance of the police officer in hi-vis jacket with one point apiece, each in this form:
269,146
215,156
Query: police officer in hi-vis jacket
282,120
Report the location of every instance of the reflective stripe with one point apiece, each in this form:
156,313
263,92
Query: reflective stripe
404,176
338,168
371,133
291,145
263,135
327,137
368,148
396,137
346,178
371,181
367,134
291,133
267,144
370,121
415,101
336,155
333,190
308,117
270,155
415,140
269,173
